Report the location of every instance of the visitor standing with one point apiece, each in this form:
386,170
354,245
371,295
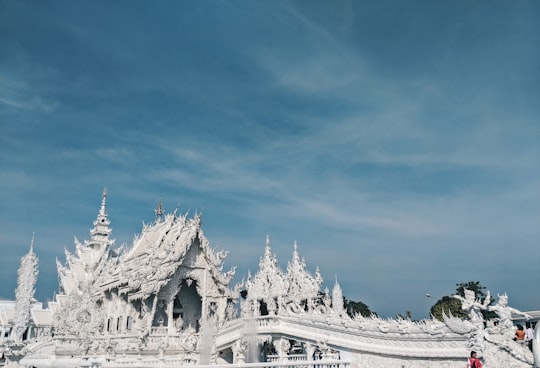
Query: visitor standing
520,334
529,335
473,361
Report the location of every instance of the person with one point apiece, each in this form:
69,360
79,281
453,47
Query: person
473,361
529,335
520,334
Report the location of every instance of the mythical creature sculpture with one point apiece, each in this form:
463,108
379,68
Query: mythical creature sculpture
473,307
239,349
504,311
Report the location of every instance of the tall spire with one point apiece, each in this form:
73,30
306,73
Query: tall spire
24,294
101,230
302,286
337,299
103,202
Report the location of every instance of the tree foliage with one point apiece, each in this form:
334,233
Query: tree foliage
448,306
473,286
353,308
452,306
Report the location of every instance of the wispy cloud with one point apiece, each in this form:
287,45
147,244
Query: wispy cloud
384,144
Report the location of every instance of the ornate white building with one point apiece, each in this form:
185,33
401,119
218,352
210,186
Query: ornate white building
165,301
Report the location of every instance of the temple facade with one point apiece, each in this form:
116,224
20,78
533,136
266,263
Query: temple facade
166,301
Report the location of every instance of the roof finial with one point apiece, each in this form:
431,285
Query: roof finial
32,242
267,250
159,210
103,201
296,257
101,230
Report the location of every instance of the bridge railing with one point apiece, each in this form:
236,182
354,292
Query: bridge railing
291,364
156,362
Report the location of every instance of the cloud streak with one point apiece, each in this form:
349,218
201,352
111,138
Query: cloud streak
391,145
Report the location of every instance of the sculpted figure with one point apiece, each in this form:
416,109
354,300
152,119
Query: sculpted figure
473,306
504,311
239,349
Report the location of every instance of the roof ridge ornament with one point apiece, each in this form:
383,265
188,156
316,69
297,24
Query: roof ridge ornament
267,248
101,230
159,211
102,210
32,242
296,256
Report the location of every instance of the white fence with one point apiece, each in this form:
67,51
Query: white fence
145,363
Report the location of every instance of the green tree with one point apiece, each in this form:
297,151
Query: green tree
447,305
474,286
353,308
450,305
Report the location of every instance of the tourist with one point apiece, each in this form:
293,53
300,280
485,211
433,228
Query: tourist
520,334
473,361
529,335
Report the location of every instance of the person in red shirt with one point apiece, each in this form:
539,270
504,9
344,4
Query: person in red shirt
473,361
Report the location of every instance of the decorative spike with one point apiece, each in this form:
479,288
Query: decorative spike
101,230
296,257
103,202
159,211
24,294
267,249
32,242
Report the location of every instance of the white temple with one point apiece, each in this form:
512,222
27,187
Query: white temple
166,301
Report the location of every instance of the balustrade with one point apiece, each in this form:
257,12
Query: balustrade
159,331
176,362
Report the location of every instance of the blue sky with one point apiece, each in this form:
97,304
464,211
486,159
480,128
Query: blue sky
397,142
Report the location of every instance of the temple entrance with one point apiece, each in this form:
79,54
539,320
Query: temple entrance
187,307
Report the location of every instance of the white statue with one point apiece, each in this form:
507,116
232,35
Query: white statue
473,306
504,311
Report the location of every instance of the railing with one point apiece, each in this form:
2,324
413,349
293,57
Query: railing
159,331
290,357
156,362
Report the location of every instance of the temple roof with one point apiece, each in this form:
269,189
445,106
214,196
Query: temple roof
42,317
159,251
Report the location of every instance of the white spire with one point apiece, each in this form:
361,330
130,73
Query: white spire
337,299
267,249
101,230
32,242
268,283
24,294
302,286
296,257
103,202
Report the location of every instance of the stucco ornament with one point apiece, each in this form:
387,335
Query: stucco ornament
504,325
164,300
24,294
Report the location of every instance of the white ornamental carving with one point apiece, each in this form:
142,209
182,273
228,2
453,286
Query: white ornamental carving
164,301
24,294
